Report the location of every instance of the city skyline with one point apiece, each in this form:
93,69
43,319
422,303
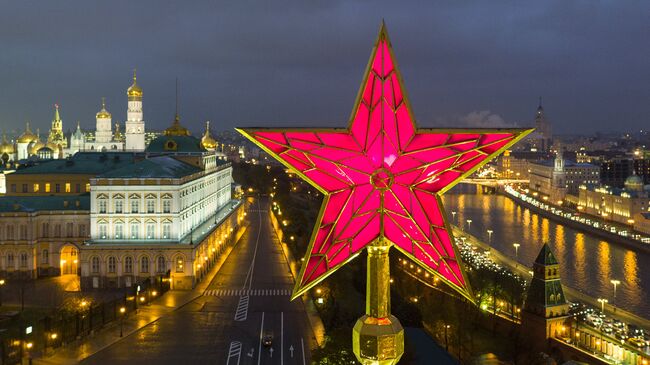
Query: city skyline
464,66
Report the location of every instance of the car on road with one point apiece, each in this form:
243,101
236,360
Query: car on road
267,340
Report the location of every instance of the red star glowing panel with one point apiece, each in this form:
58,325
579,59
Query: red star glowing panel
382,177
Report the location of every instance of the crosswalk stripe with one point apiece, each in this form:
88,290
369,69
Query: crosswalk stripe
246,292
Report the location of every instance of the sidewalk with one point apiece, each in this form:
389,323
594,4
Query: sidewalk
172,300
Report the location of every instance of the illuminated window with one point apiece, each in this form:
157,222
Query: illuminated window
118,205
151,228
167,229
150,205
135,230
119,231
37,187
167,206
67,187
87,187
135,206
102,206
179,264
102,230
47,187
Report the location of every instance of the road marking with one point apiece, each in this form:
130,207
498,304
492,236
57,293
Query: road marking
281,338
291,351
234,351
252,292
302,344
259,349
242,309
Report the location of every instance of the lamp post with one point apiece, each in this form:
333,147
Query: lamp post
516,246
453,216
2,284
446,342
489,232
615,283
122,312
469,225
602,302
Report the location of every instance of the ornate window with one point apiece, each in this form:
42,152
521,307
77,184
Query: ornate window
167,230
135,230
144,264
151,205
128,264
151,229
102,206
135,206
10,260
23,259
167,206
180,264
119,205
160,264
102,230
111,265
119,231
94,265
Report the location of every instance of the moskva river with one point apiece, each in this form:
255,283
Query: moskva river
587,263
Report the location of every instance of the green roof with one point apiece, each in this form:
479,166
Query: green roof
176,144
546,256
86,163
40,203
153,167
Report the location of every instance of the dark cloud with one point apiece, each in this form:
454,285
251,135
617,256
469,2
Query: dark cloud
300,62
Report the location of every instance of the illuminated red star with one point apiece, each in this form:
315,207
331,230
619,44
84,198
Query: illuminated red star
382,177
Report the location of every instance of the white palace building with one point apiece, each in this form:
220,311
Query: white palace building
162,214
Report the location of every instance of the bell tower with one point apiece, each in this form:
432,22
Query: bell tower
134,125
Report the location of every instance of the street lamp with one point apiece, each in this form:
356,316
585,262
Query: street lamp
602,302
469,225
446,344
489,232
122,312
615,283
453,216
2,284
516,246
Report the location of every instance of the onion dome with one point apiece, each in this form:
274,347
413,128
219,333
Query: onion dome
103,114
134,91
207,141
6,146
27,135
36,144
176,128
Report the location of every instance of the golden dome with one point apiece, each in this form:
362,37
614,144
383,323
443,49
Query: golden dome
207,141
103,114
37,144
27,135
134,91
6,146
177,129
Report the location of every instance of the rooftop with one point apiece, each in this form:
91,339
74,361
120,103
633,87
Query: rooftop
44,203
546,256
86,163
176,144
154,167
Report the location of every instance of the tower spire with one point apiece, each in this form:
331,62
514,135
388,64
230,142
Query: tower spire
177,117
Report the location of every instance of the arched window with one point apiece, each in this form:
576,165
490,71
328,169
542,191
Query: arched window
94,265
23,259
128,264
144,264
111,265
180,267
160,265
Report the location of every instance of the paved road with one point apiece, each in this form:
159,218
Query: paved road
247,300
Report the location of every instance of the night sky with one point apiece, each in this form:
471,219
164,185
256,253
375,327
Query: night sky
286,63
